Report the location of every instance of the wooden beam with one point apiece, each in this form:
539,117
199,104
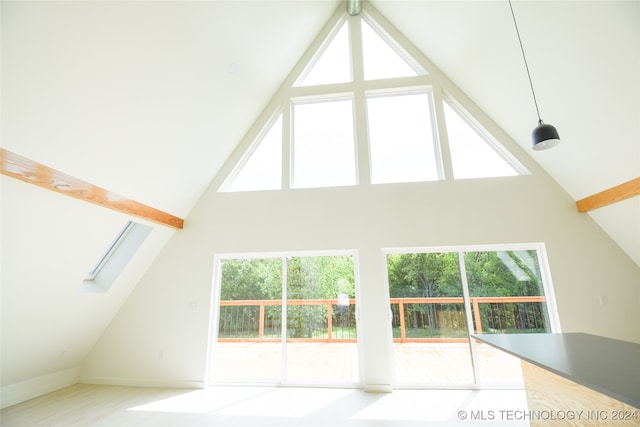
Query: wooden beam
27,170
612,195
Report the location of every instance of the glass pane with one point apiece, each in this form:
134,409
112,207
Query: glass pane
321,323
334,64
401,139
250,321
323,146
506,287
381,61
431,342
263,170
507,296
471,155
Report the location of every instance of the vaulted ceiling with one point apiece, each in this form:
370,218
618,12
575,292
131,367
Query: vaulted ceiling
148,99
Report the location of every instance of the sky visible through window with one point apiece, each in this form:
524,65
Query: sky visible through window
263,170
380,60
402,140
334,64
324,147
471,155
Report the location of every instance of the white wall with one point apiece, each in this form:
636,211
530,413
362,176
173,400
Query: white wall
48,326
584,262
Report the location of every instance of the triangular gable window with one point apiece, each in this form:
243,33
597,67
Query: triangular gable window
472,155
332,63
263,169
365,107
381,61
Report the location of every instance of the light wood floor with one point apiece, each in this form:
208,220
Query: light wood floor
415,364
113,406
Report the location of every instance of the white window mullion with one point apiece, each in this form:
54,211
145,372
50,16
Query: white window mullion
286,143
355,39
441,138
359,102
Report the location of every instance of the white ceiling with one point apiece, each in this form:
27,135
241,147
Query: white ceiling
148,99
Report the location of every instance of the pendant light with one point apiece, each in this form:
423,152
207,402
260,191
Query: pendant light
544,136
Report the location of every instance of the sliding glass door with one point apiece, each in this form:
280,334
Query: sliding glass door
288,319
507,295
439,298
249,320
429,325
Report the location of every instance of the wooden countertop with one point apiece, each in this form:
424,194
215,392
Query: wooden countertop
607,365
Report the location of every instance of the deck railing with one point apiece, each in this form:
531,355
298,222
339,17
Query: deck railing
438,319
441,319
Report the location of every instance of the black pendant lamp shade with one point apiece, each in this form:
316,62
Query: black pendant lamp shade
544,136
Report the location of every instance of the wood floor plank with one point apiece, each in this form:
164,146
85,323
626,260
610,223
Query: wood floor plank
85,405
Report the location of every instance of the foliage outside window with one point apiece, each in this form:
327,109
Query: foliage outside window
312,283
505,288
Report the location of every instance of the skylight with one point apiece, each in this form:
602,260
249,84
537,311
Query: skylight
115,258
104,259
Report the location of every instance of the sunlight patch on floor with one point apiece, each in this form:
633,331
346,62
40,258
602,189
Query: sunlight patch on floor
448,407
248,401
204,401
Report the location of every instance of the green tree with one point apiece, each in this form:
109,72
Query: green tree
251,279
424,275
316,277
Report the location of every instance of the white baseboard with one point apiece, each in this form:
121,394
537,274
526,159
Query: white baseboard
20,392
378,388
142,382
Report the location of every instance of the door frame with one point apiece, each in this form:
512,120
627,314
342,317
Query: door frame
283,255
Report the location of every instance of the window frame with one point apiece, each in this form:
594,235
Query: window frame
216,293
443,91
435,138
320,99
117,255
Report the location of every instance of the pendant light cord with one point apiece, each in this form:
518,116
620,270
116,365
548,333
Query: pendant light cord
525,62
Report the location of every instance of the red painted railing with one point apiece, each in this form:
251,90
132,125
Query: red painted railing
401,308
475,305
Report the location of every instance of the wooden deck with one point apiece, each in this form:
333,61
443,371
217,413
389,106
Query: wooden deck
416,364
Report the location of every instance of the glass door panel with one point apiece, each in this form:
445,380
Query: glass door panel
507,296
249,344
430,334
321,322
286,320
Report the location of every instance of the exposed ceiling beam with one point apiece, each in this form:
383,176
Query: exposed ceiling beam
612,195
27,170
